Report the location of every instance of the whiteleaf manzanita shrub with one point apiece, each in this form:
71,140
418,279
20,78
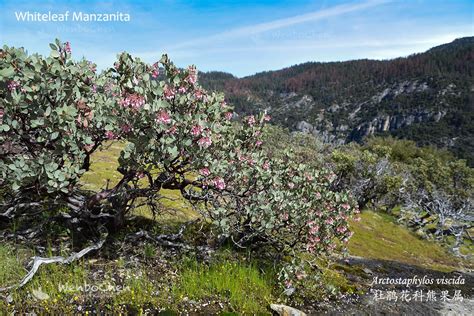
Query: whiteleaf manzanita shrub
55,112
46,112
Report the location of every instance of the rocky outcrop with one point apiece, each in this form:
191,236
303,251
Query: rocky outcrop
404,87
283,310
293,100
387,123
380,113
325,133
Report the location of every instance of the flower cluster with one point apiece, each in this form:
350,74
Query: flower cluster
219,183
192,75
204,142
13,85
132,100
126,128
110,135
250,120
169,92
155,71
163,117
67,47
199,94
204,172
196,130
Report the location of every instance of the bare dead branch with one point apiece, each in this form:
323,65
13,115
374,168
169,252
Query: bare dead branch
38,261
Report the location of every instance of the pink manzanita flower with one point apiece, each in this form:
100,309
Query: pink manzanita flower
12,85
313,229
284,216
223,104
204,172
67,47
346,206
196,130
198,94
317,195
126,128
133,100
251,120
155,73
229,116
204,142
110,135
182,90
291,185
329,221
266,118
169,92
192,76
258,143
219,183
266,165
163,117
2,113
247,159
341,229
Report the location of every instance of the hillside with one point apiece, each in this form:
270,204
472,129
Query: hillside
426,97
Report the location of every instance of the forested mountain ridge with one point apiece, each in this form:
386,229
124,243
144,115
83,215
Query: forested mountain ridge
426,97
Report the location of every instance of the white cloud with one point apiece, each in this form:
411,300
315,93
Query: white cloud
282,23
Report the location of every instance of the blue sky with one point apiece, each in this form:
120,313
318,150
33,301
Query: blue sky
243,37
